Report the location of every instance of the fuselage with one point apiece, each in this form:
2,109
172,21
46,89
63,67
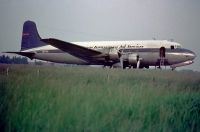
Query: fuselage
50,53
99,45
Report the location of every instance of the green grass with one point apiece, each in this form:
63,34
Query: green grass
43,98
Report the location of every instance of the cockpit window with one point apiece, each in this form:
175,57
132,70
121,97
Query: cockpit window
172,46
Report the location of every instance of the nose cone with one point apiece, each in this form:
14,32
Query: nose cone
193,55
190,55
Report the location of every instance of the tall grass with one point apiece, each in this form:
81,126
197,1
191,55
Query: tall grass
93,99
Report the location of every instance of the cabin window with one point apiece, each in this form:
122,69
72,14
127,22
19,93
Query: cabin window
172,46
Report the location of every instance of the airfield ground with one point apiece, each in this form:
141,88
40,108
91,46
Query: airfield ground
50,98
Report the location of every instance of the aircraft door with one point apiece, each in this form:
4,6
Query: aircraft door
162,57
162,52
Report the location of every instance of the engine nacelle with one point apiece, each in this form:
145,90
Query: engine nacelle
132,59
128,60
112,54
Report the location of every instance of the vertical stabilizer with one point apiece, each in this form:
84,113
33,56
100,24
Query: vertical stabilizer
30,36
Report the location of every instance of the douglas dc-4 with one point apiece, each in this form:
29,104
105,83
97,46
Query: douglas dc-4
135,54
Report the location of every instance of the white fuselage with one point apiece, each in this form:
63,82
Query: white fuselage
97,45
148,50
45,52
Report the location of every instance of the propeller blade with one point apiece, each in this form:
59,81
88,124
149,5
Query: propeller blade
138,64
121,62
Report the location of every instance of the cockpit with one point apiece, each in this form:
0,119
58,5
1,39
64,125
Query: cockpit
175,46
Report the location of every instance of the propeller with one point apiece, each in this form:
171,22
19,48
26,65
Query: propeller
138,64
138,61
122,62
121,58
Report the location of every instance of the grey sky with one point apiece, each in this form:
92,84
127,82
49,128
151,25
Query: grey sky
85,20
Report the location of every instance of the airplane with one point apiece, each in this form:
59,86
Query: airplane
135,54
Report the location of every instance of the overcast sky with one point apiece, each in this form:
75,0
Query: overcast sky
86,20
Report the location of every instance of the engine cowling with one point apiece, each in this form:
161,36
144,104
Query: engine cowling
128,60
112,54
132,59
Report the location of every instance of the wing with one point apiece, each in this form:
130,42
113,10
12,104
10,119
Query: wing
73,49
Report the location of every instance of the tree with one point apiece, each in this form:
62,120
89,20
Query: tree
14,60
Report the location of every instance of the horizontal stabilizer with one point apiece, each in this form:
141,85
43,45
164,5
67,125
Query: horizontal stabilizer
26,54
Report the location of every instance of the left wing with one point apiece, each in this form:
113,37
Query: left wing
75,50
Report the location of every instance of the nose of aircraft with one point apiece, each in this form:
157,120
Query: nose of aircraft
191,55
188,54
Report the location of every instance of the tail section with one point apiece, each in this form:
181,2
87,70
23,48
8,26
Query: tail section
30,36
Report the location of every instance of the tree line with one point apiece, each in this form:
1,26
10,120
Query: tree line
13,60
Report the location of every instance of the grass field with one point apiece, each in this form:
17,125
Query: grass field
39,98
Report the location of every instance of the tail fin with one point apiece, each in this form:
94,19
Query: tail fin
30,36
